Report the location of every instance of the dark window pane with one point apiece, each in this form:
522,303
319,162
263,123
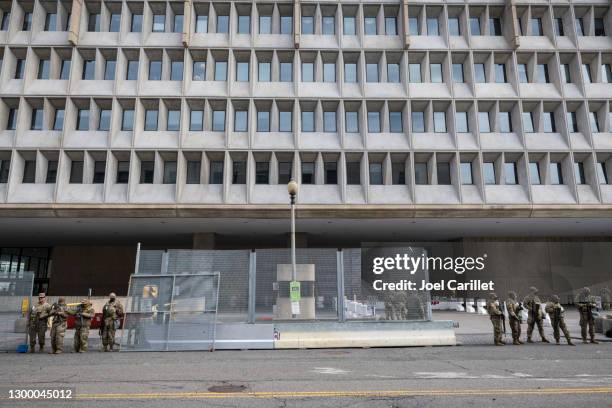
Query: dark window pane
29,171
443,172
308,172
353,173
169,172
193,171
239,172
58,120
76,172
147,170
83,119
51,172
398,173
262,173
99,171
420,173
136,25
285,171
376,176
123,172
331,172
216,172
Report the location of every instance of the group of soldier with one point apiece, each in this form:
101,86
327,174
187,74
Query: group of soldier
532,303
83,313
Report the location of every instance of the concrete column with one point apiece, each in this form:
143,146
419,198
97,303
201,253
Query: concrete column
203,240
75,22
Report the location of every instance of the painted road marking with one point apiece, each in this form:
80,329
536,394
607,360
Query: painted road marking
350,394
330,370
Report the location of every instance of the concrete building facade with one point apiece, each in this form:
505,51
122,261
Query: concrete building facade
179,123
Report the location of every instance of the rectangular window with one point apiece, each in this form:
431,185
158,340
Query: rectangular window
500,73
439,122
201,23
242,71
6,18
307,72
132,70
536,27
479,73
263,121
159,23
58,119
43,69
606,73
216,172
196,120
264,72
566,77
461,122
393,73
534,173
353,173
593,120
558,24
390,26
329,72
265,24
11,123
398,173
89,69
543,73
308,121
29,171
331,172
465,168
475,26
415,73
376,176
586,73
308,169
579,172
147,171
173,123
199,70
222,24
244,24
579,27
432,26
329,121
127,120
169,172
372,72
194,169
94,22
489,172
572,123
484,125
155,70
151,119
285,172
285,121
505,122
262,173
395,122
528,122
522,72
115,23
602,174
369,24
495,27
373,122
109,70
421,175
350,72
453,26
329,25
349,25
510,173
443,173
418,122
435,71
556,173
76,172
352,121
307,25
136,23
51,172
458,73
549,122
600,30
65,70
104,120
286,72
218,121
220,70
413,25
286,24
176,71
123,172
36,122
83,119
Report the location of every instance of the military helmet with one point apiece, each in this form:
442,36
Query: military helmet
586,290
512,294
61,299
533,289
41,295
493,296
555,298
112,295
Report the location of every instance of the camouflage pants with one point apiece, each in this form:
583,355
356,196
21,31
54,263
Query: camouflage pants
497,329
108,335
531,323
39,331
584,322
515,326
57,337
81,336
561,325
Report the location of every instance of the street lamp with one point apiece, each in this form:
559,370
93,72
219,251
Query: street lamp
292,189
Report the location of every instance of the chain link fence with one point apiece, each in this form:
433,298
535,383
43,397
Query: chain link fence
15,300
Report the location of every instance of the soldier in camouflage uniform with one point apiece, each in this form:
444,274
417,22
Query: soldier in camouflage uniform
586,303
37,325
496,318
557,318
111,313
532,304
514,317
605,298
83,315
58,327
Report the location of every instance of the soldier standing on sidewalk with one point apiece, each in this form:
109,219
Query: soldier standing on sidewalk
37,325
532,303
58,327
111,313
586,303
557,318
496,318
514,317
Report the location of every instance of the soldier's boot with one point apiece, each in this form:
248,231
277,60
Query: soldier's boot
569,342
593,341
584,340
557,341
516,342
529,340
545,340
58,352
105,348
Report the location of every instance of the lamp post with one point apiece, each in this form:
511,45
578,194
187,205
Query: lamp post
292,189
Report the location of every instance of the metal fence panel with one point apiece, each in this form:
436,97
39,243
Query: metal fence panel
15,301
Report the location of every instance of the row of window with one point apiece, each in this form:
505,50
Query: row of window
495,169
378,67
316,19
315,117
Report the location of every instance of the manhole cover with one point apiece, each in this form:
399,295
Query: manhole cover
227,388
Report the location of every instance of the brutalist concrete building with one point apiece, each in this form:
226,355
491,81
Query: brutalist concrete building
178,124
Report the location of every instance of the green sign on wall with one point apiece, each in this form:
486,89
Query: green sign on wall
294,291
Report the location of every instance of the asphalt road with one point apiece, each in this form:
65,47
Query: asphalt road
535,375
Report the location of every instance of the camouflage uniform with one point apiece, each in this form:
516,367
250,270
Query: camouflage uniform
83,313
112,312
37,325
496,319
59,311
557,318
586,303
605,298
532,304
514,317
